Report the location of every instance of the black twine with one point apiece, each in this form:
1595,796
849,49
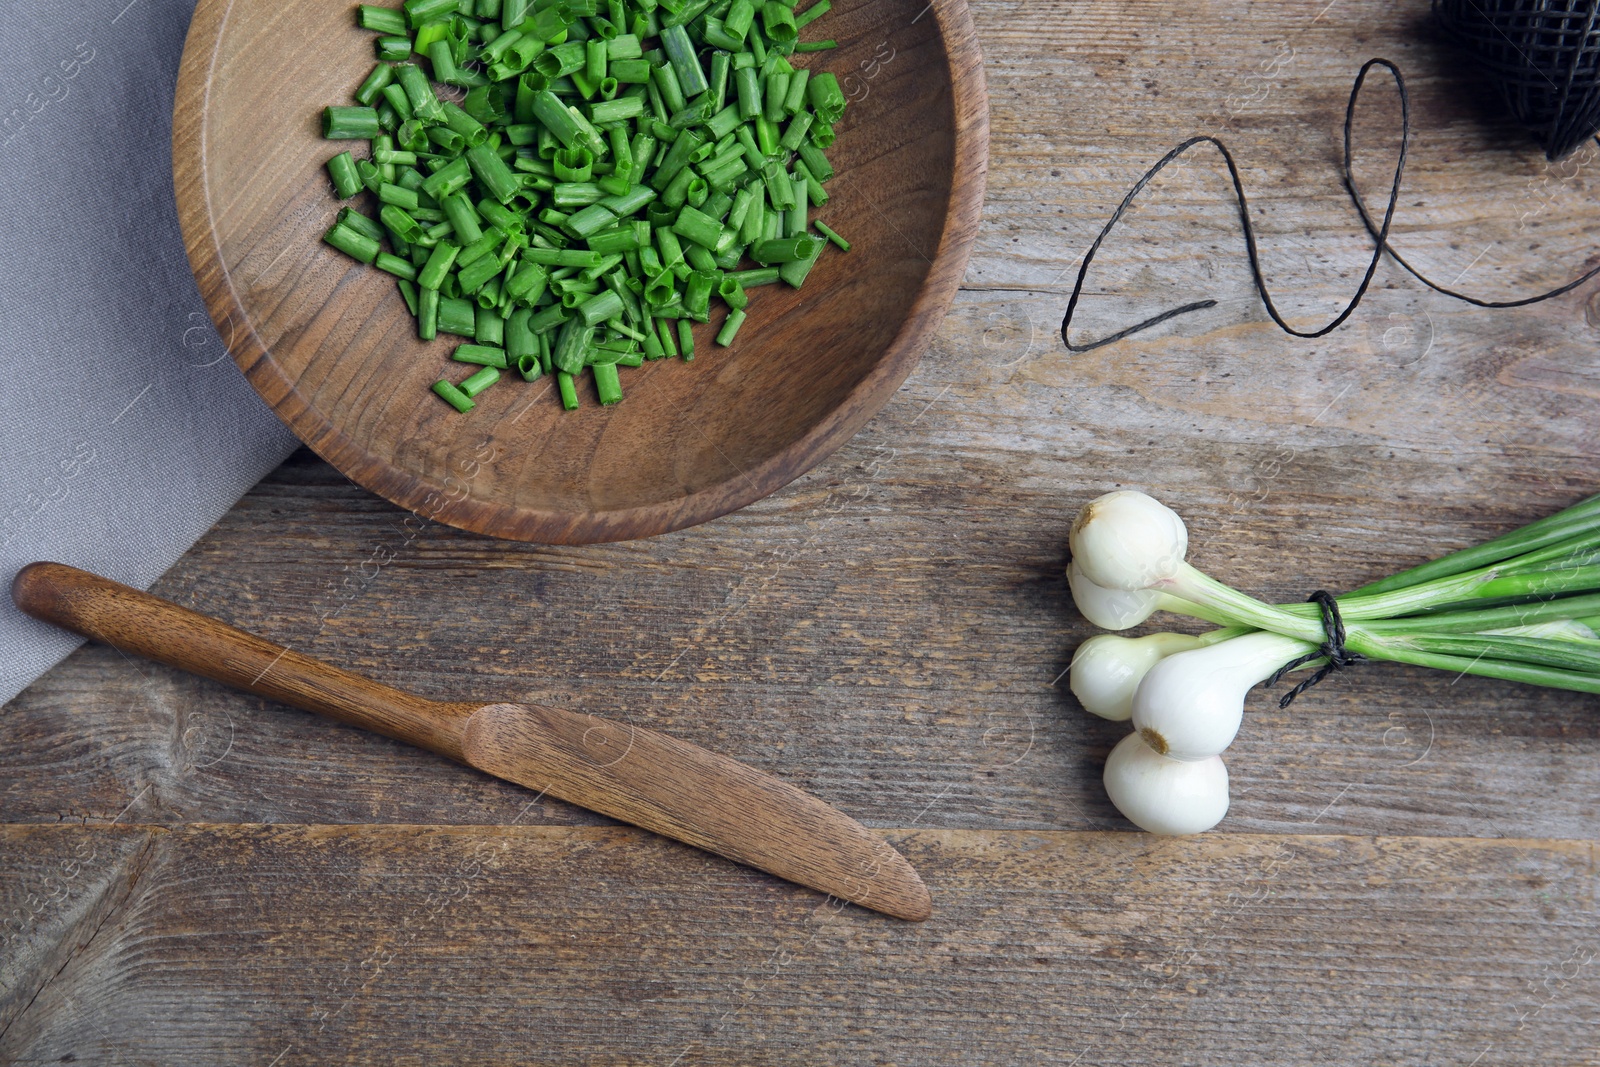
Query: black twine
1332,649
1379,233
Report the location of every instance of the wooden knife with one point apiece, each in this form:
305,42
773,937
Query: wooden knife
639,776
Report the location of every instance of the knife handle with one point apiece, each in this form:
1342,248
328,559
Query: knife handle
148,626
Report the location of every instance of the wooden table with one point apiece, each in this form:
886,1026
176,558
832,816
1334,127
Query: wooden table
1408,873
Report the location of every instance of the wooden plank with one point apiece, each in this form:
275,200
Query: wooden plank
57,892
603,945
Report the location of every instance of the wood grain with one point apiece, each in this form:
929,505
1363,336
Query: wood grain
330,346
1408,852
343,945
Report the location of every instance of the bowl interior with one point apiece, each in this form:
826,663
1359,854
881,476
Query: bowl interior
330,345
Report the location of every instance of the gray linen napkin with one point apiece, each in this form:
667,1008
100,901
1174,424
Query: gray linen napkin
125,429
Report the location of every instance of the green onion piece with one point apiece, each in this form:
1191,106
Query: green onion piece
774,91
360,223
721,67
444,64
571,347
795,98
815,193
778,22
483,355
424,104
380,19
492,171
400,268
438,265
372,88
395,95
600,307
752,278
681,54
350,123
470,129
448,179
398,195
419,12
428,314
811,14
477,273
606,385
669,346
795,134
795,219
732,293
698,227
785,249
458,316
352,243
827,231
392,49
730,327
463,218
816,46
490,330
569,392
630,71
480,381
512,12
342,169
697,294
747,86
528,284
795,272
827,99
408,293
453,396
686,340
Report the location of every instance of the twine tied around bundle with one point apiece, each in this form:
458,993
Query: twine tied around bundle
1332,649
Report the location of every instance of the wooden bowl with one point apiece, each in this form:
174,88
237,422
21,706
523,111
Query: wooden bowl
330,346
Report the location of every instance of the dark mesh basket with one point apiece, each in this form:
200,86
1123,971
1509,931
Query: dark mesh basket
1545,58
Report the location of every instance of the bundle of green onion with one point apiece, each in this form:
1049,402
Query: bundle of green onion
1523,607
596,172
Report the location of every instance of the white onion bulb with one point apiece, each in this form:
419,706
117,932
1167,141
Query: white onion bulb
1165,796
1127,540
1111,609
1189,706
1106,669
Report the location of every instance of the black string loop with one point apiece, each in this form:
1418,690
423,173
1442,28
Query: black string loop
1379,232
1332,649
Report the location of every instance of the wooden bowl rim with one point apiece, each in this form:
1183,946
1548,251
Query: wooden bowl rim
969,105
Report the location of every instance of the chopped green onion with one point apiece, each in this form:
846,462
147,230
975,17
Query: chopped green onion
352,243
606,385
350,123
608,169
569,392
453,396
827,231
730,326
483,355
342,169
